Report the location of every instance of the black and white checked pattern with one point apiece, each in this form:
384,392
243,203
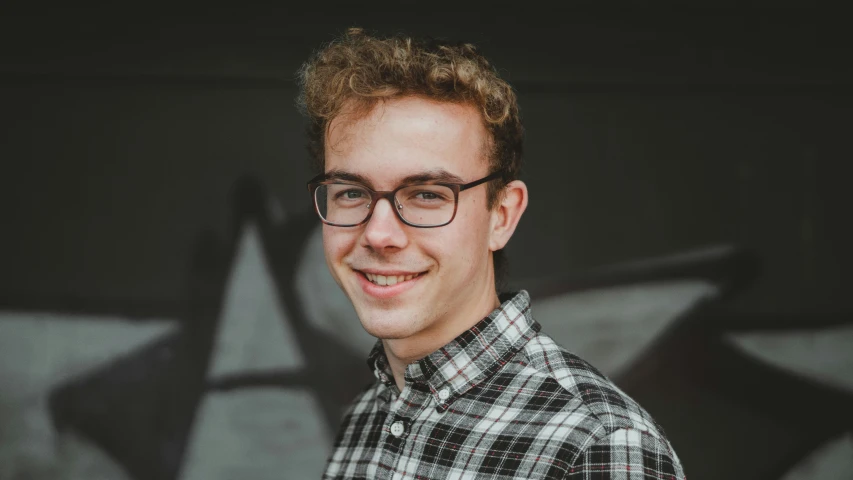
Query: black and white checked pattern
501,401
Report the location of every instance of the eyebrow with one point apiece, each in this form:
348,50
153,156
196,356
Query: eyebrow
434,175
336,174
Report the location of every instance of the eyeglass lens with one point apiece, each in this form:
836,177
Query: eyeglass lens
347,204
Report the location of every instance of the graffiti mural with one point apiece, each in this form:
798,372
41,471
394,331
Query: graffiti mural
249,377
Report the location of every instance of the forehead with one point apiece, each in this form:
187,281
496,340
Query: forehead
401,137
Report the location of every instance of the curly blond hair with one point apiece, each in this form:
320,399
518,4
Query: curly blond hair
360,70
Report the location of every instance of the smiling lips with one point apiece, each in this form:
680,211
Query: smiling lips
388,280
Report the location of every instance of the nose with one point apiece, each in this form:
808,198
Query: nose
384,229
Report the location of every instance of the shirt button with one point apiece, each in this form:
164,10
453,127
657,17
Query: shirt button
397,428
444,394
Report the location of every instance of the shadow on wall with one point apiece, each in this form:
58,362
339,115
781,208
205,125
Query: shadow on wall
249,378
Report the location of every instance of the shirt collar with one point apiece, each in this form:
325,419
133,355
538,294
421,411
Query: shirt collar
475,355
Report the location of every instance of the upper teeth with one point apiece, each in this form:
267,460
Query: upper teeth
388,279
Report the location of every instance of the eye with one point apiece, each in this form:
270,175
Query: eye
427,196
350,194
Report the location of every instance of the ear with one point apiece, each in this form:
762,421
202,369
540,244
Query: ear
507,213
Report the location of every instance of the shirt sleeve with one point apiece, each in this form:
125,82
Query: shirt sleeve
627,454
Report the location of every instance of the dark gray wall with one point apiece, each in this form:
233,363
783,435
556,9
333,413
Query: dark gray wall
650,130
653,129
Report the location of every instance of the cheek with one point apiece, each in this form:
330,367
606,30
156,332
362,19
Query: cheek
464,245
473,228
336,244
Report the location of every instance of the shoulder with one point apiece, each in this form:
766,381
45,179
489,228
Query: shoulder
614,425
365,399
597,394
361,408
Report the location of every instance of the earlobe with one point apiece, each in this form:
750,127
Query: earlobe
507,214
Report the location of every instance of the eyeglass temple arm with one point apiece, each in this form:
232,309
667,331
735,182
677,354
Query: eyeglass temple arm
481,181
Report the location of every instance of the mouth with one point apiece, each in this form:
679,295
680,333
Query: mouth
385,285
389,280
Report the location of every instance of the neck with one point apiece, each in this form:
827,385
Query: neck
403,351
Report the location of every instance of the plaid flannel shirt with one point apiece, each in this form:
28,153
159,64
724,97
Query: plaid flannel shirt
501,401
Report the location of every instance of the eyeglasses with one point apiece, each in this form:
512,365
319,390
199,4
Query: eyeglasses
425,205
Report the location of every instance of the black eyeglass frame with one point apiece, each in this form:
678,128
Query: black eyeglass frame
375,196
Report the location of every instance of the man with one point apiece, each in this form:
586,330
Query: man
419,145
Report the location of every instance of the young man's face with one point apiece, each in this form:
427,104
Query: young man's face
444,274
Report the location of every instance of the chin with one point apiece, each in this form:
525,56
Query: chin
388,326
